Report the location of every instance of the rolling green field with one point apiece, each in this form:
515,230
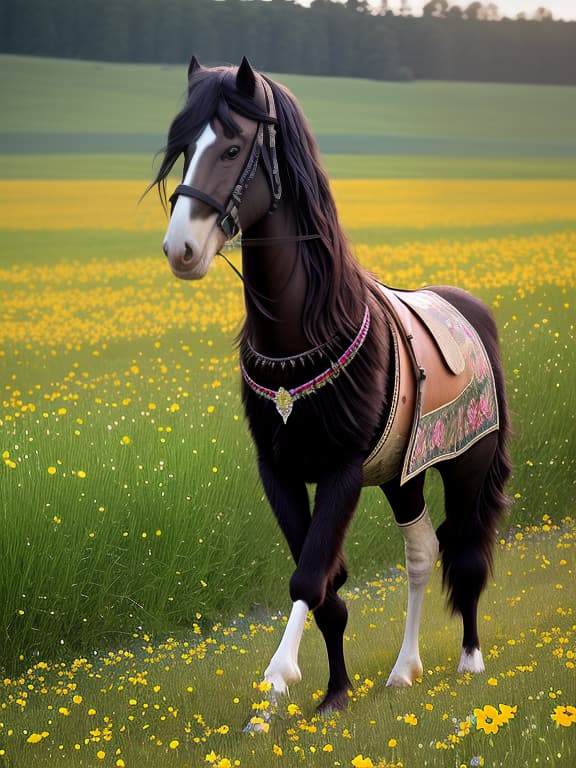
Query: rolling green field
74,110
131,508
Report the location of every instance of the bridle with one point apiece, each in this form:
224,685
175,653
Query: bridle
263,146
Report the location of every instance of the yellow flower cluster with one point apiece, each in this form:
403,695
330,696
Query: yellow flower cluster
489,719
103,301
429,203
418,203
145,691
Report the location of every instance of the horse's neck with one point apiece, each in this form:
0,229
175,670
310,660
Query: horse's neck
275,286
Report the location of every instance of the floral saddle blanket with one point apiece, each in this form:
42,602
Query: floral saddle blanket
444,392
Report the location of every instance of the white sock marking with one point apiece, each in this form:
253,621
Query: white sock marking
421,547
471,662
283,669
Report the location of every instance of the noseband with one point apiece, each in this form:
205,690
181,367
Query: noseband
265,138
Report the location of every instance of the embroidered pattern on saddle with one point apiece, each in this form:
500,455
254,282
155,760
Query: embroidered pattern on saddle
448,397
449,429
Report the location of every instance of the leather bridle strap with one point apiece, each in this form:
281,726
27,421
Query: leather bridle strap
270,158
229,222
187,191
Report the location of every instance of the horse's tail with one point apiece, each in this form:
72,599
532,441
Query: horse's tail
467,537
494,502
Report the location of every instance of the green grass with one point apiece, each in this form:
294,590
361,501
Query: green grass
101,120
144,166
58,96
153,539
147,703
84,108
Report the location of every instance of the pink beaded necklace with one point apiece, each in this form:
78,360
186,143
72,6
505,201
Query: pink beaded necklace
284,399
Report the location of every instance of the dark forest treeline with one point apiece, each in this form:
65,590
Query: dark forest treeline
279,36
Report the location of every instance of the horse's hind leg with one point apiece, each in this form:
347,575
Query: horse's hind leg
473,506
421,549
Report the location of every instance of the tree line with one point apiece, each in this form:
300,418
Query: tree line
351,39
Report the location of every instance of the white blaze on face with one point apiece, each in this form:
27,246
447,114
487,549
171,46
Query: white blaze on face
197,234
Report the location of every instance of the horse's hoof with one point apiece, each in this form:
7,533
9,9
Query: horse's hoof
471,661
403,675
399,681
333,702
282,674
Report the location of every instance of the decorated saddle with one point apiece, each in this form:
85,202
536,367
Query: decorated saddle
444,396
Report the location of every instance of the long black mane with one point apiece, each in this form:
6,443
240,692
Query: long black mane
337,285
211,93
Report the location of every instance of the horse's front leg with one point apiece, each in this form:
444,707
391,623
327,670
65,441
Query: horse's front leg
316,545
289,501
283,669
321,572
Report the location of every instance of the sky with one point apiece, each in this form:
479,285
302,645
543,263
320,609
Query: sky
561,9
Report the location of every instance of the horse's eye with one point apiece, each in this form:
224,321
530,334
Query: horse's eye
231,153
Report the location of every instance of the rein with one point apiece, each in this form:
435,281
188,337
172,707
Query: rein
261,241
280,239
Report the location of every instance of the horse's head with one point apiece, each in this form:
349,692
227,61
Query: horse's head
226,134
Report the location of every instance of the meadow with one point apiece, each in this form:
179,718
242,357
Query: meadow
143,580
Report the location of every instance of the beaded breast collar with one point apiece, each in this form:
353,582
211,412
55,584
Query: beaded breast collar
284,399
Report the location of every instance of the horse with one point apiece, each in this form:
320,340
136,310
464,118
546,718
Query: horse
345,382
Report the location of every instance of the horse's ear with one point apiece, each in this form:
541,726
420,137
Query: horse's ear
245,78
194,66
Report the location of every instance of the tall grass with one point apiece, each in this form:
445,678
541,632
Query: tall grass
184,701
130,506
128,483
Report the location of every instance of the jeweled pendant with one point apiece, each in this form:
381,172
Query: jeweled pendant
284,403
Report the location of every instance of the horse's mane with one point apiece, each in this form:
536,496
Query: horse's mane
338,288
211,93
337,285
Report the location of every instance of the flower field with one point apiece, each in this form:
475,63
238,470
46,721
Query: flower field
417,204
184,702
132,511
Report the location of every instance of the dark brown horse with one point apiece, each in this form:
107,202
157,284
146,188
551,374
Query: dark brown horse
345,382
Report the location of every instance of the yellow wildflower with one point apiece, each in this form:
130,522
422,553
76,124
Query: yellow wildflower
487,719
564,716
35,738
362,762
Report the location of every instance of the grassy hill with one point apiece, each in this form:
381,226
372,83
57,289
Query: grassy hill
63,113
